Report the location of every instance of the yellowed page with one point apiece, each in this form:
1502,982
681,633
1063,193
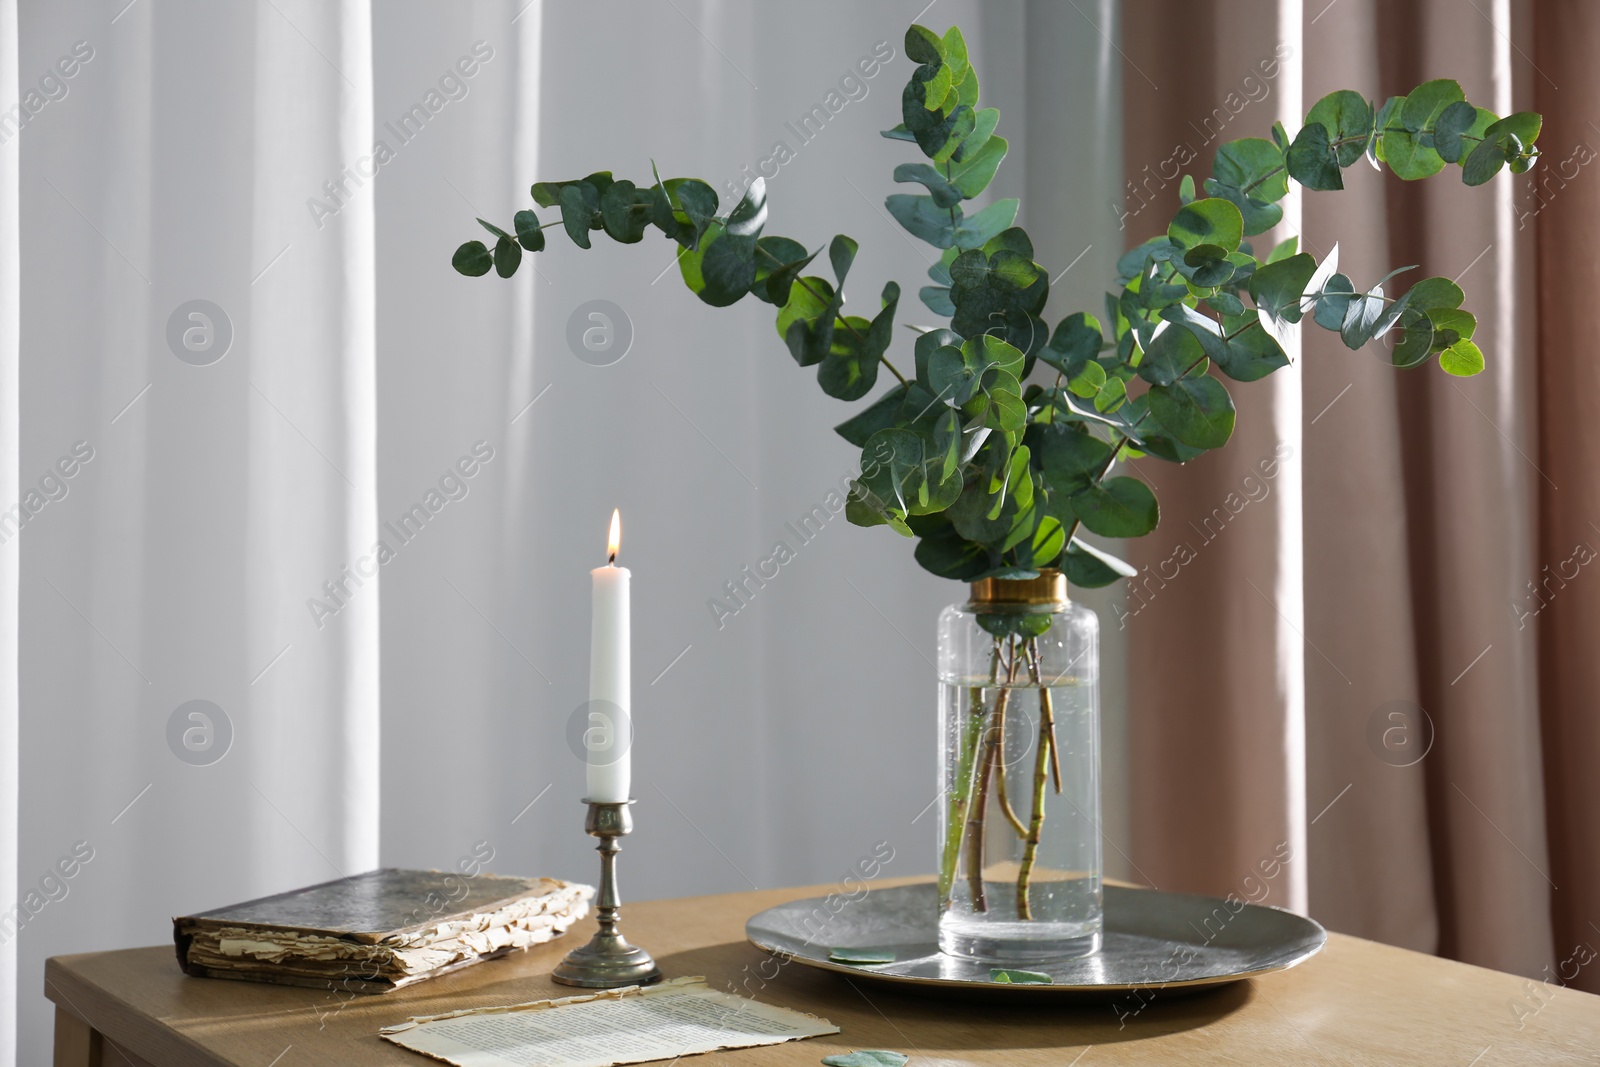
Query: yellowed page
682,1017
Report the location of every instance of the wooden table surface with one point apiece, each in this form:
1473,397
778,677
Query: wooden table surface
1357,1002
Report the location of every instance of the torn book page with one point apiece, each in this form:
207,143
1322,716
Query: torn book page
635,1024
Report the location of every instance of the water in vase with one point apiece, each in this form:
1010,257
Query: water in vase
1019,840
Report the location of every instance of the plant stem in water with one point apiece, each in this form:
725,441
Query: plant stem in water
998,727
961,795
1047,715
1030,848
977,806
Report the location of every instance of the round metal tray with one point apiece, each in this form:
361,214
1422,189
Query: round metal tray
1153,940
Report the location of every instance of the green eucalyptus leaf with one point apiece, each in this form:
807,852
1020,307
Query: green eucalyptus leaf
1485,161
1454,121
1213,221
1012,976
579,203
1409,157
749,216
850,369
881,414
492,228
1111,395
1089,567
1311,160
1347,118
1076,341
1432,293
1278,287
1253,165
1451,320
1259,215
548,194
1416,340
1070,458
1380,123
721,269
872,1057
937,300
1253,353
924,218
806,321
1089,380
623,214
1424,104
1117,507
472,259
862,956
974,230
973,174
530,233
947,554
1196,411
779,261
984,121
1174,352
1338,292
507,256
1462,359
943,194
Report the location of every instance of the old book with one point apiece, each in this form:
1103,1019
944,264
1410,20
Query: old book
378,931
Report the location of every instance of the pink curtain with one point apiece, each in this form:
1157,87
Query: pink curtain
1362,674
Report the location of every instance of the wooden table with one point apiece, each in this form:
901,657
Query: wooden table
1357,1002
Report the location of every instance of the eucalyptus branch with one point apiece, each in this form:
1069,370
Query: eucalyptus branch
1203,249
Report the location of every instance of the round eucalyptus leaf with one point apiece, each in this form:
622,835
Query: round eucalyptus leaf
1253,165
579,202
1347,118
472,259
1197,411
1117,507
1213,221
1462,359
1455,120
507,256
1416,339
530,233
1337,293
624,216
1432,293
1173,353
1424,104
1311,160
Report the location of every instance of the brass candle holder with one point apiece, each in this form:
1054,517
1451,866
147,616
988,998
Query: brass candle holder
608,960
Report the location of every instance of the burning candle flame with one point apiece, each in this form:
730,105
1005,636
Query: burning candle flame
615,541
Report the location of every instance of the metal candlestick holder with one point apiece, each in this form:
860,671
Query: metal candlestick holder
607,961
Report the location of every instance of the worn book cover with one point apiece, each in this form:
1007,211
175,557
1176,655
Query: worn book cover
377,931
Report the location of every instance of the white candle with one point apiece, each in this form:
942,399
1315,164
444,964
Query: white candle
608,736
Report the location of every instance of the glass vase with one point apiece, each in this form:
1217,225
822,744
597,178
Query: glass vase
1019,719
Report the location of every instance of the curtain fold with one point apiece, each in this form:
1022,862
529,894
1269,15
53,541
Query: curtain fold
200,442
1563,207
1432,818
10,546
1216,723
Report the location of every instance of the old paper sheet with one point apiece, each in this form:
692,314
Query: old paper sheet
632,1025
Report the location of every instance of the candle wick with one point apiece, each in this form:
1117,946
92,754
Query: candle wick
612,562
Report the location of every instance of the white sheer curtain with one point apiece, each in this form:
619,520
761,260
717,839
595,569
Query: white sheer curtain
218,544
10,546
222,459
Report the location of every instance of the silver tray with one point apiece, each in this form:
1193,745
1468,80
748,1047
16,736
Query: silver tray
1153,940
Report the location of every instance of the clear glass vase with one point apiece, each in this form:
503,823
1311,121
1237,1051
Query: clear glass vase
1019,726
